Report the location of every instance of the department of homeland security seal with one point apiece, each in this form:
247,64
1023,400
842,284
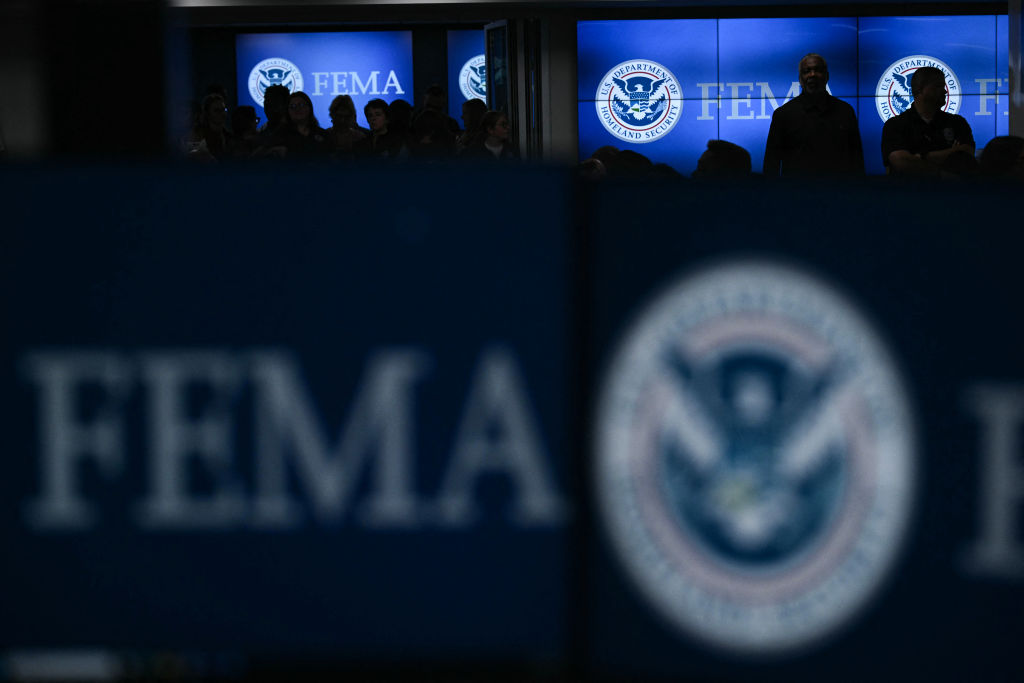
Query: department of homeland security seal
473,78
638,101
754,458
273,71
893,95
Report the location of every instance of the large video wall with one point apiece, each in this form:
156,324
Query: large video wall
665,87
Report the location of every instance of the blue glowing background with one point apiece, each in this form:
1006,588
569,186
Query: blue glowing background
462,46
363,53
734,72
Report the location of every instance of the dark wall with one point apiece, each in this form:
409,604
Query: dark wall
429,59
212,62
91,48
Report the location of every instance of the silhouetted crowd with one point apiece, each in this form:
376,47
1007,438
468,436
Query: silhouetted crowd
292,131
1001,158
814,134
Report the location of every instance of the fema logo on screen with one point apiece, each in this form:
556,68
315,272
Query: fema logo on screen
639,101
273,71
893,96
754,458
473,78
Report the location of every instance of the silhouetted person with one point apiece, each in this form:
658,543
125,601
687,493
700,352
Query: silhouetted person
814,133
630,164
723,160
400,119
383,142
301,136
434,100
244,129
210,137
432,138
345,131
592,170
275,106
606,155
1003,157
493,142
921,140
666,172
473,112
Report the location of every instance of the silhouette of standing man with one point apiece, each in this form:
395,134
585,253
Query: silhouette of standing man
814,133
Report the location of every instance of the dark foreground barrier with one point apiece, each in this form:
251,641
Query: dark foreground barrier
490,424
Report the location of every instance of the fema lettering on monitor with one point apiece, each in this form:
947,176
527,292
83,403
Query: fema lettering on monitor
755,458
351,83
473,78
273,71
278,71
639,101
255,454
893,95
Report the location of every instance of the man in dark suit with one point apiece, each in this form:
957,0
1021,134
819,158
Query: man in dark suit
814,133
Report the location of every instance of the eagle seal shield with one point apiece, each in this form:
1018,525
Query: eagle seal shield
273,71
473,78
893,95
754,461
639,101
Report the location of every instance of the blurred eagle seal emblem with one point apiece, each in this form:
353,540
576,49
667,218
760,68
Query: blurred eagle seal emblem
473,78
893,95
638,101
273,71
754,458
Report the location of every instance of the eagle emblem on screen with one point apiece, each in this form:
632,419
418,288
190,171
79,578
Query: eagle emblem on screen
893,95
273,71
639,101
901,95
635,98
276,76
473,78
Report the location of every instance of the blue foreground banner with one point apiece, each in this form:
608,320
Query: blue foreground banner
355,420
284,413
807,434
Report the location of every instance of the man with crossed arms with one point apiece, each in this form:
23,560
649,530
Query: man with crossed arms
922,140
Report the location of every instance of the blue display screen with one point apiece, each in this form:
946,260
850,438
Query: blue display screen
467,69
731,74
365,65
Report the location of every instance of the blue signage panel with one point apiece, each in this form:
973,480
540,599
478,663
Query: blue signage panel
749,68
964,48
467,69
802,445
292,424
641,84
365,65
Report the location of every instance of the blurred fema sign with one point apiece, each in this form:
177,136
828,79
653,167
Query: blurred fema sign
298,420
807,434
284,412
